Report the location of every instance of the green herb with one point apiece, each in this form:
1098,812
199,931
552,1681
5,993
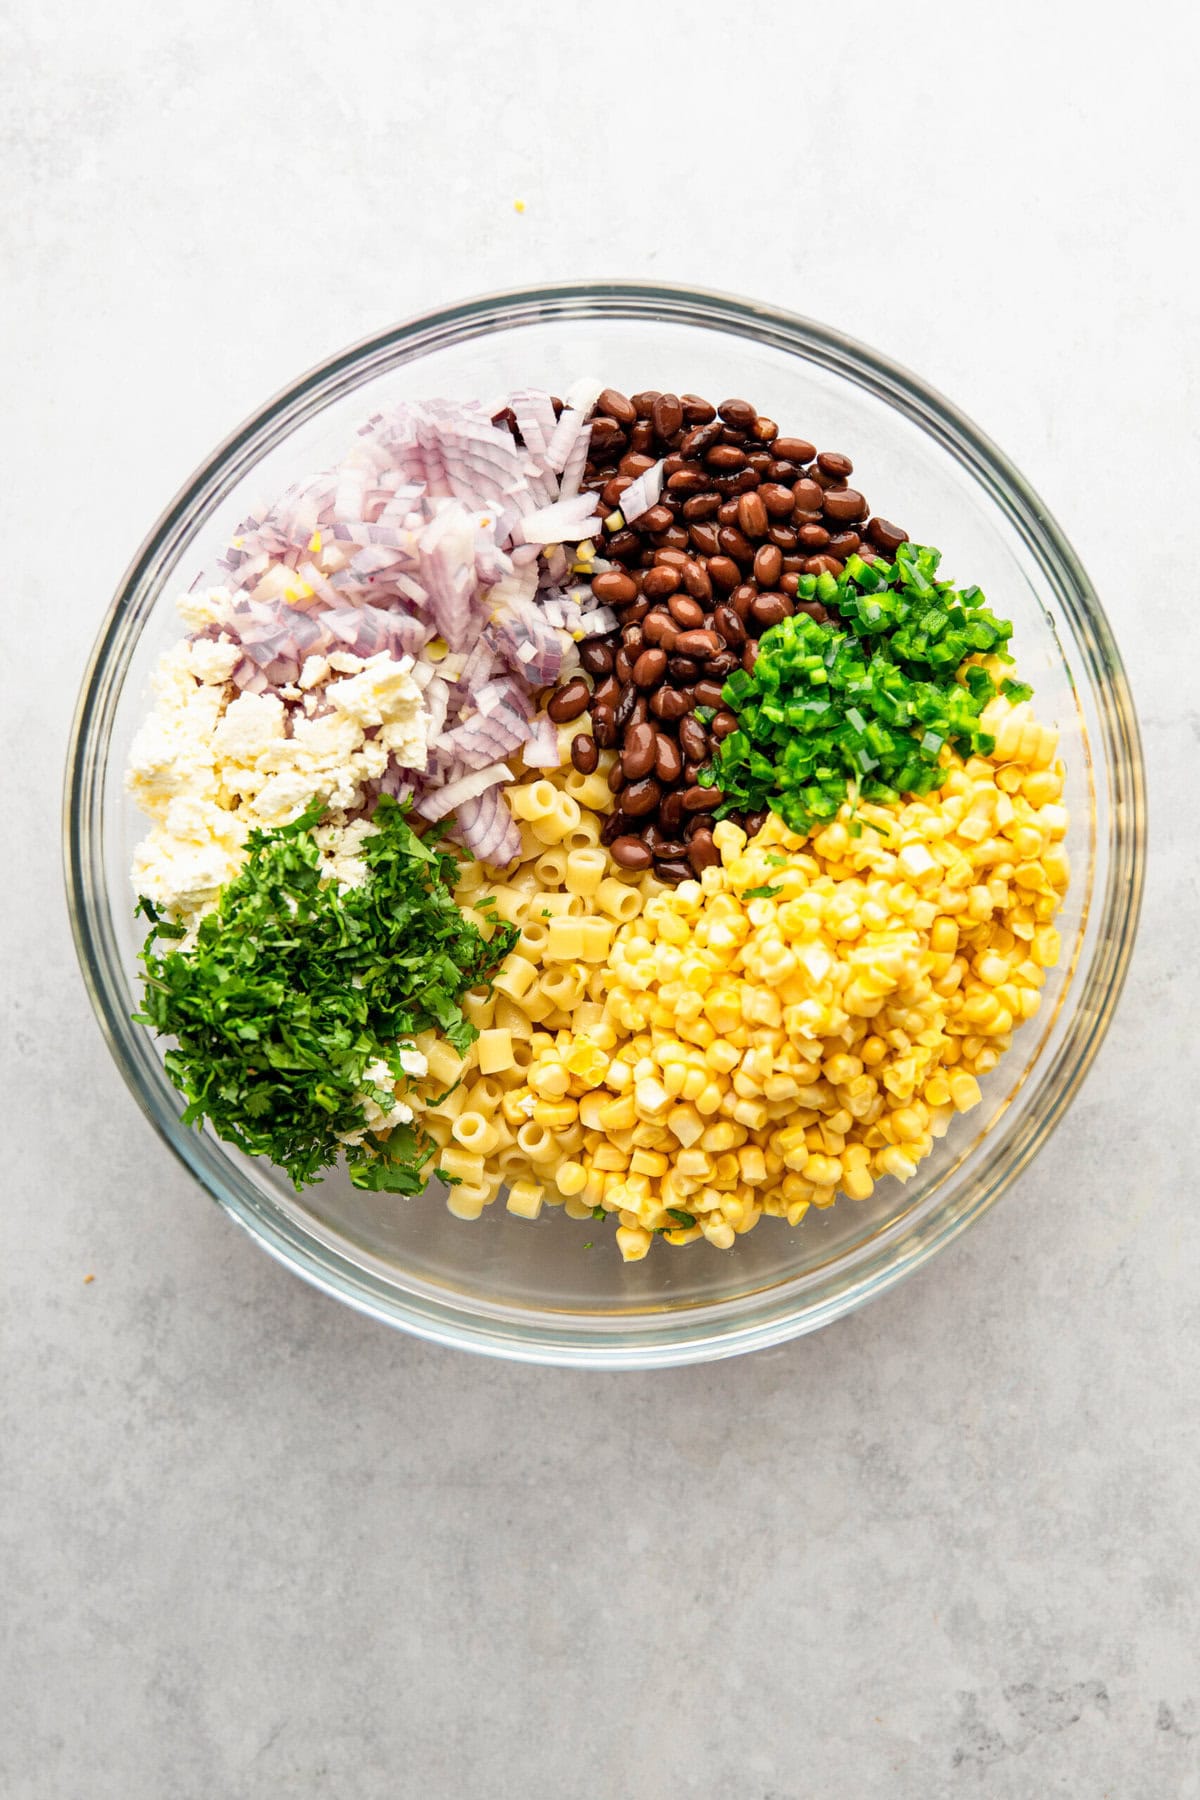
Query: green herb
589,1245
705,714
1016,691
862,710
682,1218
294,988
598,1212
761,893
775,861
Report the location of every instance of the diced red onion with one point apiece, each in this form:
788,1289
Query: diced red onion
437,523
479,741
574,466
437,705
642,494
598,620
504,694
541,750
443,800
567,521
487,828
529,646
448,573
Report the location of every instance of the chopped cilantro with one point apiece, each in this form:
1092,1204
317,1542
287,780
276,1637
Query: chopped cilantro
776,862
684,1219
294,988
761,893
598,1212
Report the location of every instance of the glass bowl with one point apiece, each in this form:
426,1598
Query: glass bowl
537,1292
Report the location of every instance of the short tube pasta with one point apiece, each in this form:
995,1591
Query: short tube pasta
552,827
584,871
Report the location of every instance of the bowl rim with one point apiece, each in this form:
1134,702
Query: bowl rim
651,1339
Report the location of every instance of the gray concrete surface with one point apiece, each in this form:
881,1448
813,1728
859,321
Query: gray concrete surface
255,1547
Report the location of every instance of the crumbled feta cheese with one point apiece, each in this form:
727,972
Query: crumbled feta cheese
413,1062
172,752
377,1075
283,797
341,848
180,876
385,697
252,723
213,662
206,606
315,671
207,767
345,662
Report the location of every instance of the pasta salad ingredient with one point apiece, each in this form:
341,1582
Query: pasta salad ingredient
446,540
717,526
865,710
211,764
803,1020
296,1008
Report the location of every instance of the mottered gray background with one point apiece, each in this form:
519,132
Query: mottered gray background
254,1546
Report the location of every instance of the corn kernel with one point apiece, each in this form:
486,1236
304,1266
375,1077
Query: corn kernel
964,1091
633,1241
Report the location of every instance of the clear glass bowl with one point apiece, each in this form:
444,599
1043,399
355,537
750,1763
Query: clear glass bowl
533,1291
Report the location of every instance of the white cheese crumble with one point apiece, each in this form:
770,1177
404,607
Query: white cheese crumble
206,606
384,696
207,765
377,1075
341,848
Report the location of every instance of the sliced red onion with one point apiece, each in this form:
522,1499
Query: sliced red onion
481,661
437,705
406,636
478,741
343,625
503,695
556,565
487,828
443,800
598,620
438,522
396,781
530,647
642,494
567,521
448,573
575,465
541,750
534,414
